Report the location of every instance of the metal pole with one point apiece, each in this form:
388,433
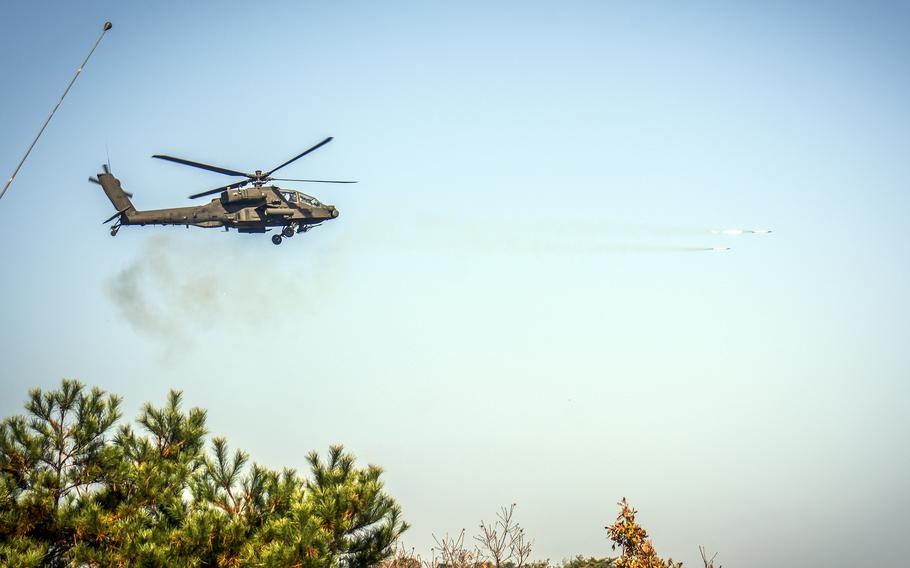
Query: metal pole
107,26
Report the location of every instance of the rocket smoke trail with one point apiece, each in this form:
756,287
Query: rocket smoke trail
737,232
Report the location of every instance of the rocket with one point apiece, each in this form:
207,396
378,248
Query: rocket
737,232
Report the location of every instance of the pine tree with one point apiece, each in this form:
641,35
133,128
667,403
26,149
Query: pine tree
361,523
75,489
50,460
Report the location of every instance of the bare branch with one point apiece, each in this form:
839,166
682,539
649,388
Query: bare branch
453,553
504,541
704,557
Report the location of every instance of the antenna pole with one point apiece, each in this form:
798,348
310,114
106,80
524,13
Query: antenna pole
107,26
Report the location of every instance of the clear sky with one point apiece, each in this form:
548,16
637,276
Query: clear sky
505,311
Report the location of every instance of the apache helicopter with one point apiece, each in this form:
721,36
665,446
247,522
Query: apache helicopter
251,210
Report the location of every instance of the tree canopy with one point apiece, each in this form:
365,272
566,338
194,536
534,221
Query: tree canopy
637,550
79,487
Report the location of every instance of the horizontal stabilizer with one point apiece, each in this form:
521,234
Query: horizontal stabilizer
115,215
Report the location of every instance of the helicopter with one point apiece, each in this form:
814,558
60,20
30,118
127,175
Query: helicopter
255,209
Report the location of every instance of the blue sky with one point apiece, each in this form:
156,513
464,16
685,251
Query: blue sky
504,311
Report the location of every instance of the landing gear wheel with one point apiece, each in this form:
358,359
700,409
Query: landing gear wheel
114,230
276,239
288,232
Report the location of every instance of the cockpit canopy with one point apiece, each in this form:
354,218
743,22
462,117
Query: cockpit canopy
298,198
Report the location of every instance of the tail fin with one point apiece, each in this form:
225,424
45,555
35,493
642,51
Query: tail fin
115,193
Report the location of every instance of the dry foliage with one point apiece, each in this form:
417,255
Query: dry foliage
636,548
503,544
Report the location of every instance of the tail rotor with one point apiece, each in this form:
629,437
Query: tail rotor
107,170
119,198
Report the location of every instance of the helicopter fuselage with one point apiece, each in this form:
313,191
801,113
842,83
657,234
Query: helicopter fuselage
251,209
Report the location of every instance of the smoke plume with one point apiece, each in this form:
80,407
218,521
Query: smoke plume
176,287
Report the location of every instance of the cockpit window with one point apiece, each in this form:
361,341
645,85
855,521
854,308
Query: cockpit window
309,199
301,198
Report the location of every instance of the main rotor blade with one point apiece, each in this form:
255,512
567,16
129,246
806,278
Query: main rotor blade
298,156
215,169
313,180
220,189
